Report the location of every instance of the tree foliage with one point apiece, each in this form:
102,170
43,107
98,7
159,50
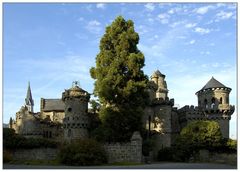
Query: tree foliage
202,133
118,72
119,80
82,152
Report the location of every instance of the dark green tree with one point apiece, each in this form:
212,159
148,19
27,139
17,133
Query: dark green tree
119,80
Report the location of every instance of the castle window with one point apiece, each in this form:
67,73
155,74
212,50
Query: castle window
50,134
69,109
220,101
213,103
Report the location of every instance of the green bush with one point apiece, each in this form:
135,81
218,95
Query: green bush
202,134
232,145
14,141
82,152
195,136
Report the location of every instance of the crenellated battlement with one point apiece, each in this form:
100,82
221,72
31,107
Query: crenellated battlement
196,113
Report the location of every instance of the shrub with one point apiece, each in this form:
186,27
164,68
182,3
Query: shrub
195,136
14,141
232,145
202,134
82,152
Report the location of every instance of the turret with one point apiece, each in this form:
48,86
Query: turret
76,120
213,101
214,96
159,79
29,103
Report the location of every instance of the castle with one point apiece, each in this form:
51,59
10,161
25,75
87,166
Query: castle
68,117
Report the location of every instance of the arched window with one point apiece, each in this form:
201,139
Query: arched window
213,103
220,101
213,100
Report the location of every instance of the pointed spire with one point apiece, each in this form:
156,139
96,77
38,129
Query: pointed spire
29,100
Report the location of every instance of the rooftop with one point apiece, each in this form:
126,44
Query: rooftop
213,83
52,105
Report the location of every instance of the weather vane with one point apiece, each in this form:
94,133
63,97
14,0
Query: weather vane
75,83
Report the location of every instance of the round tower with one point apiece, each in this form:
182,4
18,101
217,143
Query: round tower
213,100
76,120
214,96
159,79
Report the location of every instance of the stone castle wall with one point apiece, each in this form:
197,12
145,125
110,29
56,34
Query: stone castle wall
125,152
35,154
191,113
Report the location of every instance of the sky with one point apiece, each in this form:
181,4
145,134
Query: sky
53,44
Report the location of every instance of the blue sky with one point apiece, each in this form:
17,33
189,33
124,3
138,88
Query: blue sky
52,45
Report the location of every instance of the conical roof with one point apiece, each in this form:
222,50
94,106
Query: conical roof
29,96
213,83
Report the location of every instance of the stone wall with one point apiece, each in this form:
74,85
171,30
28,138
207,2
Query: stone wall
35,154
125,152
206,156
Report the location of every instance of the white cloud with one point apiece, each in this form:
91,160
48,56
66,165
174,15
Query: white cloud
202,30
190,25
94,23
192,41
232,6
164,18
176,23
171,11
222,15
100,5
174,10
149,6
203,10
142,29
94,26
150,20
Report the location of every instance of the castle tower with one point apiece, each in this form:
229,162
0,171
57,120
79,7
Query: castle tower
213,100
76,120
29,103
159,79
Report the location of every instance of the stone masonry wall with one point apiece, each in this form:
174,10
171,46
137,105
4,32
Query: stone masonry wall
125,152
35,154
213,157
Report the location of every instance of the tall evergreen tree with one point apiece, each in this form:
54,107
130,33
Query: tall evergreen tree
120,81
